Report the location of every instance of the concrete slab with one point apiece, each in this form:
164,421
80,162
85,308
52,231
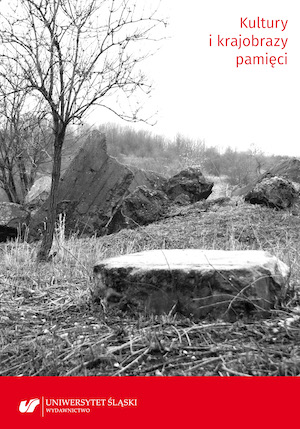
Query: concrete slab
194,281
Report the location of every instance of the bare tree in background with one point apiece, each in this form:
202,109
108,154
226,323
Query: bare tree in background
24,137
258,157
75,54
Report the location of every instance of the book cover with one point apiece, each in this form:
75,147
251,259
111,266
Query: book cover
77,348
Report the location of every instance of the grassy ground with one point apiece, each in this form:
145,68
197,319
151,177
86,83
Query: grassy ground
50,325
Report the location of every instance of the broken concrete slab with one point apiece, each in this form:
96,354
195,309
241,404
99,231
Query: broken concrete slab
193,282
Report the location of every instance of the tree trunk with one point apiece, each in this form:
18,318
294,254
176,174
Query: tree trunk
5,184
59,136
11,187
23,177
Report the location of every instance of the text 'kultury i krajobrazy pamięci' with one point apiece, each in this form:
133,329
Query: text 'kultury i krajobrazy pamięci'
254,41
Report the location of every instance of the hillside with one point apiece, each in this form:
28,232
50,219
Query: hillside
51,325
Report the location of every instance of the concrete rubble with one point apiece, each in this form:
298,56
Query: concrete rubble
99,195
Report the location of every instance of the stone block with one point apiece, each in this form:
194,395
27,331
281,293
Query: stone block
194,282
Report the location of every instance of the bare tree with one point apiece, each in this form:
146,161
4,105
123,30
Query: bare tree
76,54
258,157
22,139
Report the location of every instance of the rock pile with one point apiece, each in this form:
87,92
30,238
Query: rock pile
144,205
99,195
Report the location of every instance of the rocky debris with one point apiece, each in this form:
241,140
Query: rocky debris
99,195
189,182
13,217
193,282
144,205
274,192
92,190
140,207
288,169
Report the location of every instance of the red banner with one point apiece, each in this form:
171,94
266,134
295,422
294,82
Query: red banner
155,402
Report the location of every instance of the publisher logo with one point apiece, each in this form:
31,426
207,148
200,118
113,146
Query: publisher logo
29,407
73,405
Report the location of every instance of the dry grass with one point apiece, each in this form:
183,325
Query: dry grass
51,326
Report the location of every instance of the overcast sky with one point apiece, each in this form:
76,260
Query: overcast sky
199,91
